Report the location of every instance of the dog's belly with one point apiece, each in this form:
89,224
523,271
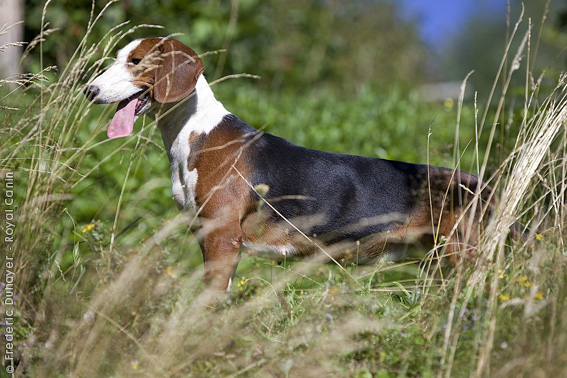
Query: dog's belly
271,251
279,240
349,251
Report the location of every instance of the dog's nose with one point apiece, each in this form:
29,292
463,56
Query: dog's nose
91,92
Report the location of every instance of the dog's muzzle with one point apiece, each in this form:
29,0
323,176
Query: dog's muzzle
91,92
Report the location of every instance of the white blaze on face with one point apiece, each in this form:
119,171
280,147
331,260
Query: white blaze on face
116,83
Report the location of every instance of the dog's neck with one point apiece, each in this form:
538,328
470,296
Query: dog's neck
199,113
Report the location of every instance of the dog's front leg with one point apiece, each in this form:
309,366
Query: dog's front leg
221,254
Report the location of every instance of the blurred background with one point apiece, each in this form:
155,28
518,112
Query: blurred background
305,45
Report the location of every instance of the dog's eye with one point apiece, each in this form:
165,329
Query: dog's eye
136,60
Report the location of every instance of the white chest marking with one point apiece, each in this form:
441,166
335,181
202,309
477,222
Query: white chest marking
198,114
183,180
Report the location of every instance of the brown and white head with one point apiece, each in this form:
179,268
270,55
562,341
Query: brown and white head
145,72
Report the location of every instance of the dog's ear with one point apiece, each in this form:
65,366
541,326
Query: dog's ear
177,73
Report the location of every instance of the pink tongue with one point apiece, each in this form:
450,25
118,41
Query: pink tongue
122,123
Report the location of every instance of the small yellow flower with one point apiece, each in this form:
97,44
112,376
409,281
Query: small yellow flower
135,365
539,237
449,103
539,295
501,274
504,297
170,273
524,281
88,227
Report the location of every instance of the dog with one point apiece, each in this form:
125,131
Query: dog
255,190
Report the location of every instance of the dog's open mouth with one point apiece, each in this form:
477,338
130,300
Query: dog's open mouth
142,102
122,124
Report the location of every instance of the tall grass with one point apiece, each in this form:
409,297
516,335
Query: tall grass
96,301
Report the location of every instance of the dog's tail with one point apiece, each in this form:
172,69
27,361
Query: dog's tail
470,186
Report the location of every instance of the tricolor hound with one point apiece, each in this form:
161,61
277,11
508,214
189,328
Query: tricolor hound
262,192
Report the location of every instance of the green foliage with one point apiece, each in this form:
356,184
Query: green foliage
290,44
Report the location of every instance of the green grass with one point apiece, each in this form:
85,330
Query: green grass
93,301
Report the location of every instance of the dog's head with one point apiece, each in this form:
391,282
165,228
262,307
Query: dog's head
145,71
